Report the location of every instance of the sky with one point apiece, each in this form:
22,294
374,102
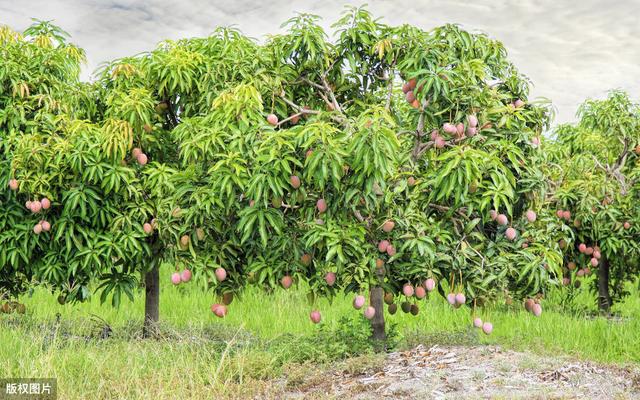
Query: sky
570,50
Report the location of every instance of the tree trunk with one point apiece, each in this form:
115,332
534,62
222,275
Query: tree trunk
151,301
604,298
377,323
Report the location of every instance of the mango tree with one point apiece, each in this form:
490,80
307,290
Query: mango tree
381,171
595,180
41,104
79,209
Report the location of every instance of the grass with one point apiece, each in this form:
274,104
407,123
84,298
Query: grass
266,338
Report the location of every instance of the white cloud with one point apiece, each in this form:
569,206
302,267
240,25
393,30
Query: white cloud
571,50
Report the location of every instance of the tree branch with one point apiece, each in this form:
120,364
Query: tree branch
389,89
326,100
427,145
327,88
615,170
331,99
358,215
172,116
288,207
296,107
599,165
333,103
460,211
417,152
623,156
325,73
360,218
420,127
315,85
290,118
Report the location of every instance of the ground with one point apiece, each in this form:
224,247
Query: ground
266,348
487,372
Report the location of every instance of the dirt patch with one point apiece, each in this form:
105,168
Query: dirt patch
483,372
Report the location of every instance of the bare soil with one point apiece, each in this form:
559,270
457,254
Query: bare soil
482,372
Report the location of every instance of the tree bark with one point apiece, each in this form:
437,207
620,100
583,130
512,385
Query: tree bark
604,298
377,323
151,301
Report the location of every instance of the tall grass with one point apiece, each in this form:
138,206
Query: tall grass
208,357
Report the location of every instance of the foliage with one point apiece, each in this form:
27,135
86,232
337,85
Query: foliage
217,187
593,172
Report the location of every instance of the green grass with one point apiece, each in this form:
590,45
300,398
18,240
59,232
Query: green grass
263,334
